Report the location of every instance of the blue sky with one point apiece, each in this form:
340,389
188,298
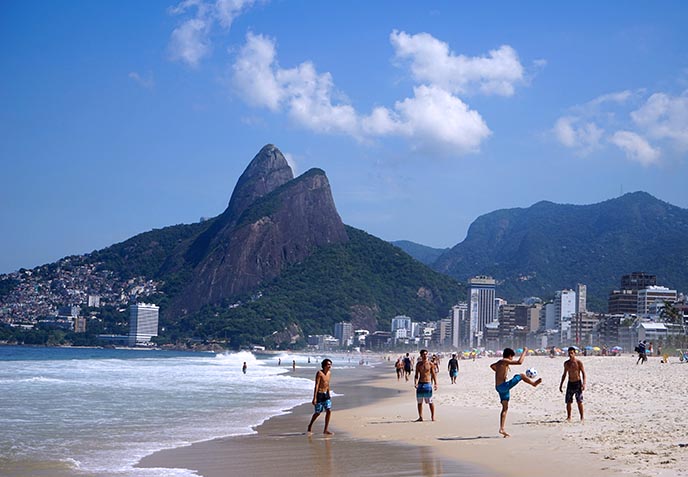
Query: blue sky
121,117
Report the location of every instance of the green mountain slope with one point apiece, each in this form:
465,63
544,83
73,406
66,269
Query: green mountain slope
422,253
366,281
548,247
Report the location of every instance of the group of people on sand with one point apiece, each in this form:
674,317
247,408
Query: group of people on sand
425,382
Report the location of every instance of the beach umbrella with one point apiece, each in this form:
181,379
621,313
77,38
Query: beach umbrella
589,348
519,350
596,348
616,348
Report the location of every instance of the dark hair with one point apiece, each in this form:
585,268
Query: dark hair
324,362
508,353
571,348
423,351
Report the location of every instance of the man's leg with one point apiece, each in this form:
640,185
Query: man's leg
580,409
568,411
420,411
530,381
310,425
502,418
327,422
432,411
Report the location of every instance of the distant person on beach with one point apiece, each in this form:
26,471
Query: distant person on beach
423,381
453,368
503,387
576,385
641,349
399,367
321,396
243,368
407,366
279,361
293,365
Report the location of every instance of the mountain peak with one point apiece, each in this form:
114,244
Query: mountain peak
266,172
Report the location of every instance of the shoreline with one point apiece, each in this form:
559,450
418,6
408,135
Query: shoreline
281,446
373,423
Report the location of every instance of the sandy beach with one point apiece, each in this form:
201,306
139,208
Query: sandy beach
635,425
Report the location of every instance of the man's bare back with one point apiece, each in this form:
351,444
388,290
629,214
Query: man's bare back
501,369
424,371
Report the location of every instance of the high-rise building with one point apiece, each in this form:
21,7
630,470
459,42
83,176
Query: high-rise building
637,281
625,300
481,306
401,322
581,298
143,323
460,326
344,332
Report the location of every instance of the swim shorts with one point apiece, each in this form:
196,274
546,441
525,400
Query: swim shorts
323,402
424,392
454,373
574,388
504,388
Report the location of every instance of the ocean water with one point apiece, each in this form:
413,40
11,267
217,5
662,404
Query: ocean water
96,412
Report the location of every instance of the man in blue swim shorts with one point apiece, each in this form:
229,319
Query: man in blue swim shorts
321,396
503,386
423,381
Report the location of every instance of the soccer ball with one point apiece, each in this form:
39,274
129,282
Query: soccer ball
531,373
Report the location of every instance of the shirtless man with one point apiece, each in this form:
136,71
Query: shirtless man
321,396
576,385
503,387
423,381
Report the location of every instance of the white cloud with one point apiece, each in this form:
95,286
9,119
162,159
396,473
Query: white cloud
571,133
190,41
433,62
292,163
665,117
636,147
253,73
433,118
146,82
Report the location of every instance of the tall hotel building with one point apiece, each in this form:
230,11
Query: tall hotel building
143,323
481,306
460,335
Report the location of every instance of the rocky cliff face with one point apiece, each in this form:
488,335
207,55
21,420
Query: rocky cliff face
272,221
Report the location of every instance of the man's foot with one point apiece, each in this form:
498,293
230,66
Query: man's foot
537,383
420,419
504,433
329,433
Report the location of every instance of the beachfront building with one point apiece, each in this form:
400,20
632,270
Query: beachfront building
625,300
402,322
582,326
581,298
344,332
652,298
460,329
481,307
143,323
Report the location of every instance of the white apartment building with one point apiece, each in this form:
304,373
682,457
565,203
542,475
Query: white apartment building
143,323
654,295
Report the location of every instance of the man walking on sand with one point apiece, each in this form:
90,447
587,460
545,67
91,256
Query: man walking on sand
503,387
576,385
321,396
453,368
423,381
